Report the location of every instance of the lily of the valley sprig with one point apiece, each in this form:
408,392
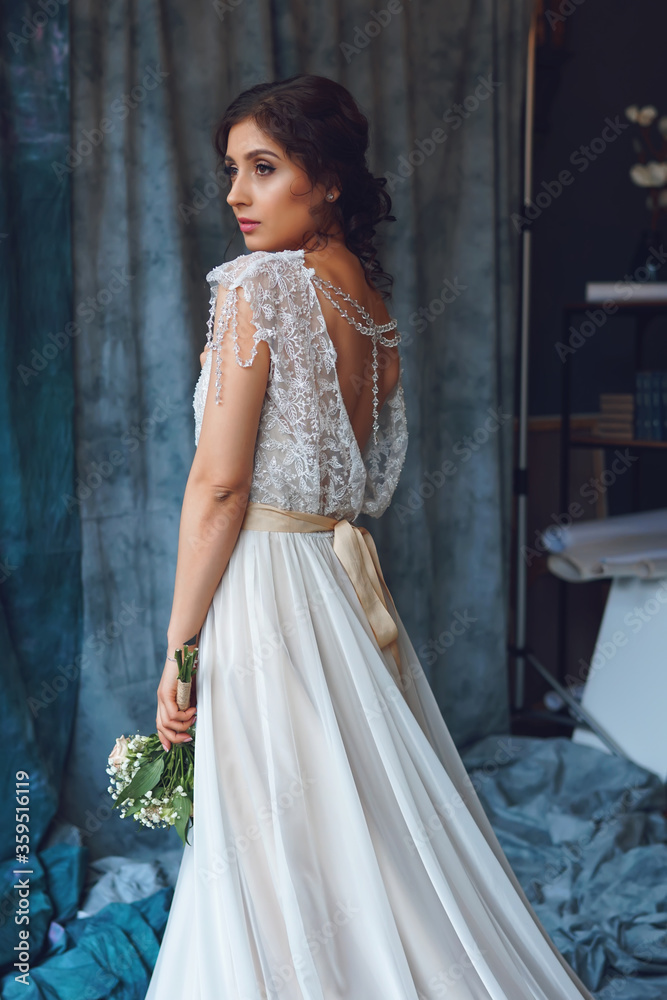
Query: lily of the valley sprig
651,170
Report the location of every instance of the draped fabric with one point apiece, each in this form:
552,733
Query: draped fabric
150,220
40,549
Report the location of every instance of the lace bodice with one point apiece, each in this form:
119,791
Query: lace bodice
306,454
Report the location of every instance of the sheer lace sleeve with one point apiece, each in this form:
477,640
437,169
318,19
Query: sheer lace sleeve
257,286
384,460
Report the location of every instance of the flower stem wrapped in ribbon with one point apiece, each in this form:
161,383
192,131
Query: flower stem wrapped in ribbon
149,784
185,661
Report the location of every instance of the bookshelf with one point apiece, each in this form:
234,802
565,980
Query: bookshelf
643,311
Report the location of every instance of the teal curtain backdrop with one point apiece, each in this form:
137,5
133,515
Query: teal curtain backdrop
40,539
442,86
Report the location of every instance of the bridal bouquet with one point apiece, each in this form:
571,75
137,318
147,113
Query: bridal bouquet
152,785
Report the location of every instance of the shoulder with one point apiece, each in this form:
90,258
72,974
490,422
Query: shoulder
261,267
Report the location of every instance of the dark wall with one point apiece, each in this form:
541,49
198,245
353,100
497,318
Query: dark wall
613,56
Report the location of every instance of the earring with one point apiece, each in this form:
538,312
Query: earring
330,196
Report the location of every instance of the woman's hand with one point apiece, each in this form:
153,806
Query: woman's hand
171,722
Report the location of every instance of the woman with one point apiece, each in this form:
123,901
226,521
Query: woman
338,850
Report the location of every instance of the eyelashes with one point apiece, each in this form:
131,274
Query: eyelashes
228,168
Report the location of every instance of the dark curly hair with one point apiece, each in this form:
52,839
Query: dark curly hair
318,124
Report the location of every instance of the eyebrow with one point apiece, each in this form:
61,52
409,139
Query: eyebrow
253,153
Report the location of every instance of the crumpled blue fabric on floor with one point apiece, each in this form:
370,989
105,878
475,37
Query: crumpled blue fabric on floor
586,834
111,955
56,880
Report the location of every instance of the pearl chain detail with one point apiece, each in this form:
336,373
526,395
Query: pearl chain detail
370,328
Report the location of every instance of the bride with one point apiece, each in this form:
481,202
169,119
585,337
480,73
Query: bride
338,849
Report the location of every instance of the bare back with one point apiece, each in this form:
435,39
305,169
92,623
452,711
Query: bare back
354,350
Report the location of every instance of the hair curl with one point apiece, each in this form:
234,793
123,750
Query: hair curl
318,124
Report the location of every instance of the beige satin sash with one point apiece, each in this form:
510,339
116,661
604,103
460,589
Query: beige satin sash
356,550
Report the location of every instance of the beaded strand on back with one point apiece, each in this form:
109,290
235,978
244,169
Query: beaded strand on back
370,328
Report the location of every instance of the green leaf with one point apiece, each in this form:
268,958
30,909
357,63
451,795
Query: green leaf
182,806
146,778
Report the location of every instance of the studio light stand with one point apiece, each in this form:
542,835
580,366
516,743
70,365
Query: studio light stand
519,651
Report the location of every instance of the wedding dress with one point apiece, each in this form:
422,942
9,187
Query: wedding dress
339,850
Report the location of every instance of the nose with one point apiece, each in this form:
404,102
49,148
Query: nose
237,195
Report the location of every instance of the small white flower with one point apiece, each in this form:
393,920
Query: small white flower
647,115
651,174
632,112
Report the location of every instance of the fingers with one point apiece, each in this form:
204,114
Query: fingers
171,734
172,725
166,745
179,720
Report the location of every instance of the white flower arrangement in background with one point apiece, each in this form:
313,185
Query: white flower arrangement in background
651,170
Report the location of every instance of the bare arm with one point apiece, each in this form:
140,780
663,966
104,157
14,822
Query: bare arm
215,499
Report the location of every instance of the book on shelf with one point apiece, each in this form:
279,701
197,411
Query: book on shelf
615,425
617,402
651,405
614,435
626,291
616,418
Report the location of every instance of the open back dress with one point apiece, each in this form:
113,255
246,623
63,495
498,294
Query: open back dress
339,850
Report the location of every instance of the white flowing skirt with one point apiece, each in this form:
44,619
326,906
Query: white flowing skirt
339,850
